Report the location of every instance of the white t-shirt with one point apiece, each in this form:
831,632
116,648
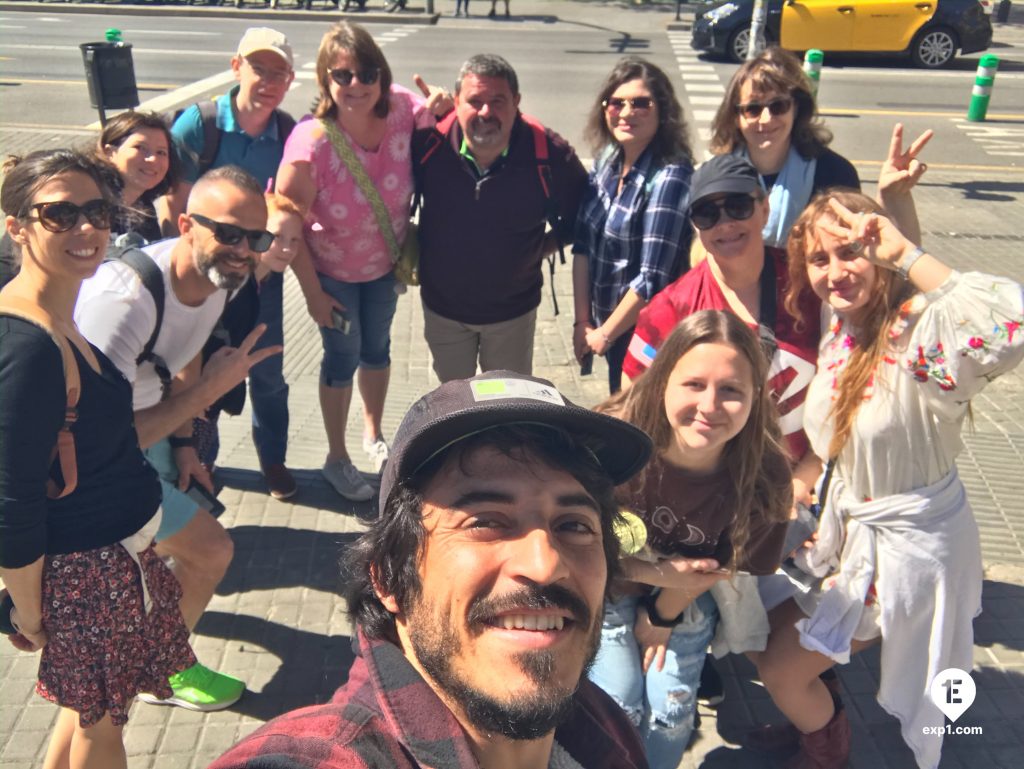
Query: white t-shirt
117,314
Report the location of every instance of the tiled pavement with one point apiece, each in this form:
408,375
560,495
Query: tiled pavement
278,621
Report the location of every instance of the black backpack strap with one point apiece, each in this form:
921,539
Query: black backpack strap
211,134
285,124
153,281
768,307
552,211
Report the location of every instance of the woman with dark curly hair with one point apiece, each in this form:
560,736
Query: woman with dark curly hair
139,146
769,116
632,234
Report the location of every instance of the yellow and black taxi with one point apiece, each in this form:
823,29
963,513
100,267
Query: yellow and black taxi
930,31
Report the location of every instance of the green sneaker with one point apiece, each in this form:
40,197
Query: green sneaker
199,688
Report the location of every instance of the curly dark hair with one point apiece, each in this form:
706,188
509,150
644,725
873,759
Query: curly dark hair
774,70
387,557
671,143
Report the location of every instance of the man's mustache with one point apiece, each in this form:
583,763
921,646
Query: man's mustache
533,596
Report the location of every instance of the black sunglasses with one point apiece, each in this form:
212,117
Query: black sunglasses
366,76
232,234
62,215
753,110
706,213
638,103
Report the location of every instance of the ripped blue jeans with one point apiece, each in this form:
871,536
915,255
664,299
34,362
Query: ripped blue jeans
661,703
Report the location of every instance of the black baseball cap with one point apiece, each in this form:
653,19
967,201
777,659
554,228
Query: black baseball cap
723,174
465,407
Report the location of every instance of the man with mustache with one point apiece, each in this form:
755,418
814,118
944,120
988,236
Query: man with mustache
490,181
477,594
223,228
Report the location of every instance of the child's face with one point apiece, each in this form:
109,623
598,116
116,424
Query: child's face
287,229
708,398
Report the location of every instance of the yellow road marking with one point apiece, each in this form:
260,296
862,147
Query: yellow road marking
141,86
1004,116
952,167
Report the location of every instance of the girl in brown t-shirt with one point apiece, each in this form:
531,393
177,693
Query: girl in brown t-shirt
715,500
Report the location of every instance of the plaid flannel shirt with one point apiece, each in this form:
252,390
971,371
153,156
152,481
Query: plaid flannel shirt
387,716
638,239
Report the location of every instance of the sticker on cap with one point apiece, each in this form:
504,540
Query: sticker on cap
499,389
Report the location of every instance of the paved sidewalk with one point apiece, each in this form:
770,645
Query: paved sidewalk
278,620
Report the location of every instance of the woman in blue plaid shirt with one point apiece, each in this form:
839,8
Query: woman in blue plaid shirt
632,236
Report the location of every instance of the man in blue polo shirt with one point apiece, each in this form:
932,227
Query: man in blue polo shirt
251,132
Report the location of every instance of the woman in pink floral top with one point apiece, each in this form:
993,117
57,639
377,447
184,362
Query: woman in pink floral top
910,342
346,271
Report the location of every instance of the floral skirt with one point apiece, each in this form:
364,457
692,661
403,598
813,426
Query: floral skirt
103,647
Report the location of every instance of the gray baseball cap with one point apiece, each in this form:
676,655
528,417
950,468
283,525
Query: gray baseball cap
465,407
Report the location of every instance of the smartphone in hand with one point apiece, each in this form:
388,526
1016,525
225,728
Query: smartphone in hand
587,366
199,494
341,321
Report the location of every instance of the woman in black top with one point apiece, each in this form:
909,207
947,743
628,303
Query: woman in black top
139,146
770,116
72,565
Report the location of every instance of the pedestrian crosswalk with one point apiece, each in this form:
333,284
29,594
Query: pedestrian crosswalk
700,90
308,70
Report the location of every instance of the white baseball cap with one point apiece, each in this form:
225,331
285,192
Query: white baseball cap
266,39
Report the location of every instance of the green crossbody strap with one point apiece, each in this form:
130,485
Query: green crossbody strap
366,186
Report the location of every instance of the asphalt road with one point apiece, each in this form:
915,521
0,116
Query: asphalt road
560,66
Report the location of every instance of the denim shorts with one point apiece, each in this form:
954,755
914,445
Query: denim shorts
369,307
178,508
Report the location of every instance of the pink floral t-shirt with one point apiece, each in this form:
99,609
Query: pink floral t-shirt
341,230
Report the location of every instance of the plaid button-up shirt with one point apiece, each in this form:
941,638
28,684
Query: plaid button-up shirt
387,716
638,239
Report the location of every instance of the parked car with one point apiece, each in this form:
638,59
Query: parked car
930,31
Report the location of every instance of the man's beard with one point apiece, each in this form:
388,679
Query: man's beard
485,133
522,716
209,266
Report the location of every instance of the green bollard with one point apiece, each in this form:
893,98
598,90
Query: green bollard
982,91
812,67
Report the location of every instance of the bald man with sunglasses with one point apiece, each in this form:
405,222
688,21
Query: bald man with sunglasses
222,231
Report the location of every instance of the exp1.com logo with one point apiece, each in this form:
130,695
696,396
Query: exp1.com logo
952,691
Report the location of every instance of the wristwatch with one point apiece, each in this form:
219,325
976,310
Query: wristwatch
903,266
649,603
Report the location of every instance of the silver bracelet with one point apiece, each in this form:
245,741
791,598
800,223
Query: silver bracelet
903,268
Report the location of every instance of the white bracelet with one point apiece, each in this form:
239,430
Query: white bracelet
903,268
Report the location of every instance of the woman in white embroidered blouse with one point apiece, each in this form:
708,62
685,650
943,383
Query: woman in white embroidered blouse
910,342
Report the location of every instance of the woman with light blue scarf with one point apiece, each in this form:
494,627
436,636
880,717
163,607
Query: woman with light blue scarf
770,117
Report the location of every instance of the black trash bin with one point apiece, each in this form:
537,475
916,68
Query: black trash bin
1003,11
110,74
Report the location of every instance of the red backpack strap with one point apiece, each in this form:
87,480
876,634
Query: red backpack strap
438,135
64,450
540,151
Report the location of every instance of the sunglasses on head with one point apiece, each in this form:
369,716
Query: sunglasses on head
706,213
754,109
232,234
637,103
62,215
366,76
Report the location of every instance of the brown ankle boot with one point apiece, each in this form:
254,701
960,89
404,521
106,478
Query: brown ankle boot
827,748
783,740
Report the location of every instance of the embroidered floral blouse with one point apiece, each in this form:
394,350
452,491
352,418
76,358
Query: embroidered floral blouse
946,346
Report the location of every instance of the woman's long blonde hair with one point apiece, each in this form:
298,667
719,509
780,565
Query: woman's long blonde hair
872,340
756,461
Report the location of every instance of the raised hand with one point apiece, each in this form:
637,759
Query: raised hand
439,101
872,236
230,365
901,169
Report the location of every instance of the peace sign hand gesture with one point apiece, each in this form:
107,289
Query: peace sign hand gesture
872,236
902,170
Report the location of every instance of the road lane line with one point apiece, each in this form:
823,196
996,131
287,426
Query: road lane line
136,51
25,81
992,116
954,167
